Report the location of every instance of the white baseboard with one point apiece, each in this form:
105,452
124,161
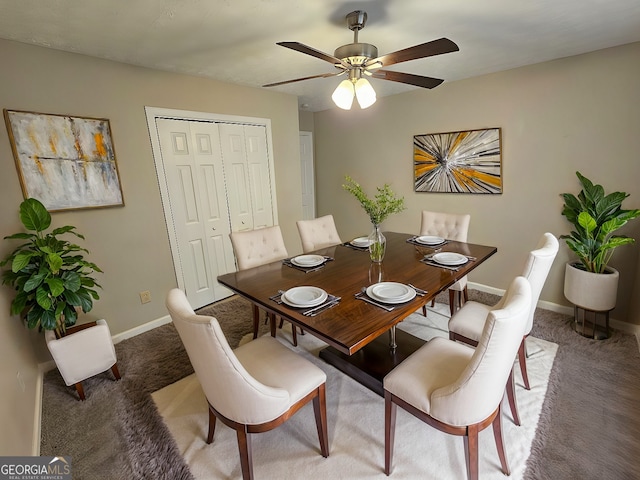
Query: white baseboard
37,414
564,309
141,329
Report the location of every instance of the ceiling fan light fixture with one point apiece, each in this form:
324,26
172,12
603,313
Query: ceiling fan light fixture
343,95
361,59
365,93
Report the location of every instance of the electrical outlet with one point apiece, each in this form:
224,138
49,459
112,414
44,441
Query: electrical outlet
145,297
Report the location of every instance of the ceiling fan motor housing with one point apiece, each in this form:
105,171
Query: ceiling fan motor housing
356,53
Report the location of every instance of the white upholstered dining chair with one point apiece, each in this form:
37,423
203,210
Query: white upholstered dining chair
86,350
253,248
450,226
466,324
457,389
252,389
318,233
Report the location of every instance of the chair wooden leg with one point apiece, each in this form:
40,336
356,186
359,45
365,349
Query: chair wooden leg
320,412
256,320
390,410
80,390
115,371
497,434
424,310
294,335
452,302
471,451
522,357
456,299
244,444
212,426
511,396
272,324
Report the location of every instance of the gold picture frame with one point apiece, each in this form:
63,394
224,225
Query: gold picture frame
66,162
468,161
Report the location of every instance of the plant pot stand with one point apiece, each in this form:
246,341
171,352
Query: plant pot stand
586,323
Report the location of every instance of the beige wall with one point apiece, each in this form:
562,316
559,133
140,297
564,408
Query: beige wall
129,243
305,121
18,406
579,113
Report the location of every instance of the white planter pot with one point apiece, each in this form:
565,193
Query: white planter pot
591,291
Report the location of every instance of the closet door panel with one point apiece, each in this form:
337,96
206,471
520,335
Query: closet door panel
199,213
259,178
186,215
213,199
237,177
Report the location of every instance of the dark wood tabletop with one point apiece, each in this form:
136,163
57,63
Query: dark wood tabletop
352,324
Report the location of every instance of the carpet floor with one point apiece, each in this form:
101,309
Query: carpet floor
589,427
356,426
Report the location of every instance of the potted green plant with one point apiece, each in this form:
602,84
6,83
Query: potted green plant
52,279
590,283
383,204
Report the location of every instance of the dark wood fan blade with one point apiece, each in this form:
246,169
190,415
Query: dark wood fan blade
429,49
300,47
322,75
409,78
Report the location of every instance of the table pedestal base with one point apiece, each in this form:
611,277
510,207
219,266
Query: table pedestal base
370,364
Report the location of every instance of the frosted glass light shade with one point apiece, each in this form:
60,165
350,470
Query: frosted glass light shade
343,95
365,93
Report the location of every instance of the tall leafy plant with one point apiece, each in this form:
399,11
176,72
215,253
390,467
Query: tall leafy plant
595,216
383,204
51,276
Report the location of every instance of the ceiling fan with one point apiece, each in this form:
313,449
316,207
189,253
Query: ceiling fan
361,59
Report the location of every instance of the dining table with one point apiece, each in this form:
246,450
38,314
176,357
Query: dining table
359,329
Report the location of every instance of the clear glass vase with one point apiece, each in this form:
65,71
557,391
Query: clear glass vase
377,244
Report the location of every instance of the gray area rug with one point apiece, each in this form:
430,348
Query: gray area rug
589,427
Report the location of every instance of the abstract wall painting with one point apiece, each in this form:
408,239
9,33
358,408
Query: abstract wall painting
65,162
458,162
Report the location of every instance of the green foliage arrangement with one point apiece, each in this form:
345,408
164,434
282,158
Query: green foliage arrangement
50,275
383,204
595,216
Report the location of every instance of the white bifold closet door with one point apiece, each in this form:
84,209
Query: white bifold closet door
246,166
217,179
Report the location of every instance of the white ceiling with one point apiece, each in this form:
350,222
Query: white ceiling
235,40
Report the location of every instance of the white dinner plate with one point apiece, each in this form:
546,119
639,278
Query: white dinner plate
308,260
449,258
429,240
391,292
360,242
304,296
